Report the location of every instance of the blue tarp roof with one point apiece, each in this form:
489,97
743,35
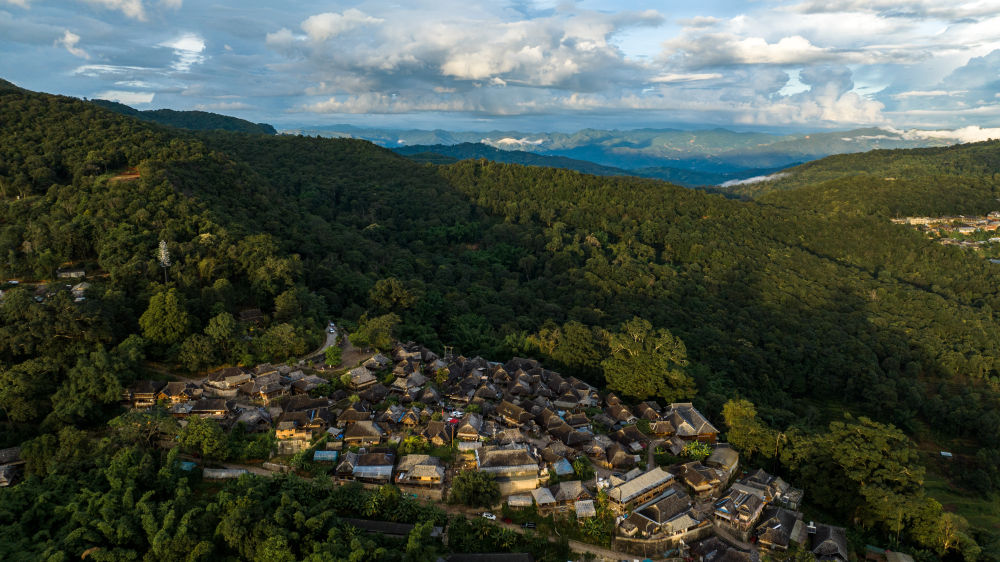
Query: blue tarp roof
562,467
188,465
325,456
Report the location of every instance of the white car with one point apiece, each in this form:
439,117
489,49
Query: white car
456,414
490,516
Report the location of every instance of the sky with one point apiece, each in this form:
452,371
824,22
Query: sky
521,64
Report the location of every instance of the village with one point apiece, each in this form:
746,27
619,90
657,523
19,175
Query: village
555,446
958,230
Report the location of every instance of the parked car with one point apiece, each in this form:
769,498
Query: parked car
456,414
490,516
529,525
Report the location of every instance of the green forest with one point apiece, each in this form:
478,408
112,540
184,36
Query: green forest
236,248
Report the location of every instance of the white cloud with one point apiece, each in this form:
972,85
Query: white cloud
755,179
188,48
321,27
676,77
131,8
928,94
126,97
972,133
223,106
69,40
719,49
19,3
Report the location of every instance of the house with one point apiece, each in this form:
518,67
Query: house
420,470
639,490
577,420
178,391
71,273
703,481
361,378
228,378
739,510
779,527
356,412
439,433
307,383
770,489
830,543
374,467
585,509
514,467
80,290
512,415
214,408
544,500
222,473
411,418
142,393
648,411
363,433
469,428
620,413
666,517
520,501
689,424
724,459
618,458
9,475
347,463
321,455
568,493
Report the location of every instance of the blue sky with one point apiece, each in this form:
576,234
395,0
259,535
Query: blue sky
547,65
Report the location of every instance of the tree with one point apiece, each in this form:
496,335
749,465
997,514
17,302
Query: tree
165,320
745,431
163,256
474,489
375,332
205,437
197,352
646,363
390,295
332,355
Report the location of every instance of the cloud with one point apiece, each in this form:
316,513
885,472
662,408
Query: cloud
69,40
131,8
223,106
188,48
172,4
972,133
675,77
722,49
19,3
928,94
911,9
321,27
126,97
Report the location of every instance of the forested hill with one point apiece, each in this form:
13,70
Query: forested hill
926,181
194,120
467,150
807,311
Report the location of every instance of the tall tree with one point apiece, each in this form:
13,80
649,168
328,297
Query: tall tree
646,363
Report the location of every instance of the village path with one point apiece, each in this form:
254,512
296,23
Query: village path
650,458
726,536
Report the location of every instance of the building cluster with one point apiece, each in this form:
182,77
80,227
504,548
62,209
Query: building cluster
534,430
948,226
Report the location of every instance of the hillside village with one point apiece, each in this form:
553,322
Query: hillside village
962,231
554,444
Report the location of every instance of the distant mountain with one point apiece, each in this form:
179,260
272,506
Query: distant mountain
469,150
448,154
699,157
196,120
